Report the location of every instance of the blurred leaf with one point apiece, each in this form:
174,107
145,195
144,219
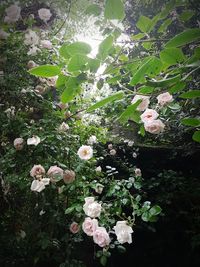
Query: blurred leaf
75,48
172,55
155,210
45,71
129,111
196,136
114,9
186,15
77,63
105,47
94,10
165,25
191,122
191,94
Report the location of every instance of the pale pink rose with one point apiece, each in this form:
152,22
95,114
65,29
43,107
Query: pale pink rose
69,176
89,226
85,152
39,185
149,115
113,152
123,232
31,38
37,170
138,172
46,44
44,14
154,127
99,188
51,81
92,208
101,237
144,104
31,64
74,228
12,14
3,35
19,143
110,146
164,98
55,172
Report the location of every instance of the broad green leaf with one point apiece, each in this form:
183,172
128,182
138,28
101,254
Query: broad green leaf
93,64
105,47
114,9
191,94
69,210
137,36
196,136
114,80
147,45
155,210
184,38
172,55
164,82
165,25
93,9
129,111
103,260
72,88
117,96
167,9
177,88
190,122
77,63
77,48
146,90
140,73
64,51
60,82
45,71
146,24
186,15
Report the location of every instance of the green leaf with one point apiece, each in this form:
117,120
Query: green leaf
137,36
103,260
191,94
190,122
196,136
77,48
45,71
129,111
63,51
146,90
186,15
172,55
105,47
60,82
117,96
177,88
94,64
184,38
77,63
164,82
72,88
165,25
139,74
93,9
69,210
155,210
145,24
114,9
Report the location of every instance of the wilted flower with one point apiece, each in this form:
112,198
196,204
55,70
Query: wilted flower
69,176
101,237
44,14
85,152
113,152
55,172
91,207
123,232
37,170
164,98
19,143
149,115
40,89
35,140
92,140
89,226
63,127
74,228
154,127
144,104
12,14
31,38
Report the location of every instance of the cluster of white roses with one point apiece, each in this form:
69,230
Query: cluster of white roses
100,235
149,117
19,142
54,174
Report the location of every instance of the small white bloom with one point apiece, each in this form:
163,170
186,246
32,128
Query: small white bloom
85,152
134,155
42,212
19,143
99,188
91,207
123,232
130,143
37,186
46,44
92,140
63,127
12,13
44,14
35,140
33,51
98,169
113,152
31,38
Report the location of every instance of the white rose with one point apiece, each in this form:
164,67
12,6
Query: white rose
138,172
33,51
164,98
123,232
144,104
92,208
31,38
149,115
63,127
12,14
154,127
35,140
85,152
3,35
39,185
89,226
46,44
101,237
19,143
92,140
44,14
98,169
99,188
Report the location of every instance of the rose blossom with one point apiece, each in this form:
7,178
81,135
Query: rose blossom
138,172
3,35
91,207
69,176
74,228
44,14
98,169
144,104
63,127
85,152
35,140
101,237
31,38
40,89
154,127
31,64
12,14
19,143
99,188
149,115
164,98
37,170
46,44
39,185
33,51
110,146
89,226
113,152
123,232
92,140
51,81
54,172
